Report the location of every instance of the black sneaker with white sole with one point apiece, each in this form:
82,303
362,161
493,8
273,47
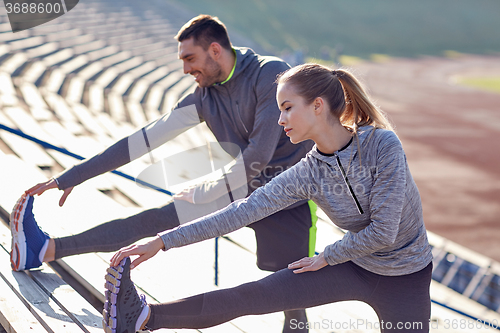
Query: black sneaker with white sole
123,304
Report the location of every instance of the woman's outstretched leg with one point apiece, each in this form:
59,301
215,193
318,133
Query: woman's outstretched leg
399,299
283,290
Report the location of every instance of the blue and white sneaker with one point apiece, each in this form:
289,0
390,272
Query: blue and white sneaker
123,305
28,240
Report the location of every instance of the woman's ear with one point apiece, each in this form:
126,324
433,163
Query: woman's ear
319,105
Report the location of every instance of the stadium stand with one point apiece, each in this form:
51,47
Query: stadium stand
93,76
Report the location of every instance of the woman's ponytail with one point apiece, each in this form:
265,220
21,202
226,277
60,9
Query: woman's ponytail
359,110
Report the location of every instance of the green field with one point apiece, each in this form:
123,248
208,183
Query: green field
484,83
407,28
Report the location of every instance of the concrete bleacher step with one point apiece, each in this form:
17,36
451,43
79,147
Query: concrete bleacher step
42,50
71,42
116,58
50,27
7,35
159,47
156,92
84,116
49,61
136,113
126,80
4,50
33,72
54,306
7,84
61,34
26,123
175,92
86,47
58,74
15,317
137,91
102,52
13,62
32,95
93,94
26,43
27,150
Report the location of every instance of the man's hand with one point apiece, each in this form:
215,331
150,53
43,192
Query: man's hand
144,251
308,264
38,189
186,195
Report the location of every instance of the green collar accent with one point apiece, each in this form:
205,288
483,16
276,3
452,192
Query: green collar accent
232,71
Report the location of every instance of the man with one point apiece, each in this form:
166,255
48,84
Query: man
236,97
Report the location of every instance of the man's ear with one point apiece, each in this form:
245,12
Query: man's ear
215,50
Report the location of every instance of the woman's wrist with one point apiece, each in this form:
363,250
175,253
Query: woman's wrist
158,243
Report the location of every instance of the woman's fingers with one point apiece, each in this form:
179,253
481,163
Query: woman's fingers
308,264
144,251
118,256
300,263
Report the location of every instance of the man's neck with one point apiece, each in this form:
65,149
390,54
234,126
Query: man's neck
228,64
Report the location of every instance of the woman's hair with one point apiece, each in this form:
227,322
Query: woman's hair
344,94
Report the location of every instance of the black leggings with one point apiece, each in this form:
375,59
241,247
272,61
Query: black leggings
401,302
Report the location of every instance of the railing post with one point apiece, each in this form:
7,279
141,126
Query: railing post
216,265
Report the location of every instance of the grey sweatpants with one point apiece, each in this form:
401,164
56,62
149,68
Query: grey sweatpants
402,303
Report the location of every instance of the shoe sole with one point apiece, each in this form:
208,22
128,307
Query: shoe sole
112,285
18,246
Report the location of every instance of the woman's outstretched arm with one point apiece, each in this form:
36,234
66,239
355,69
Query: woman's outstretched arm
283,191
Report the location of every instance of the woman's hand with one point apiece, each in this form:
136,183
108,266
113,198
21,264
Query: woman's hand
144,251
38,189
186,195
308,264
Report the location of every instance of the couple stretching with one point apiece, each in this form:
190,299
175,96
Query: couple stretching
356,172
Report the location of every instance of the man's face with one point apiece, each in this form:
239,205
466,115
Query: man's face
199,63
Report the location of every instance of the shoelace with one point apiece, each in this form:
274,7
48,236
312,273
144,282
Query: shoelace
143,299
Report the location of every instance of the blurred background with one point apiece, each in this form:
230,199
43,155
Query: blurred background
328,30
104,69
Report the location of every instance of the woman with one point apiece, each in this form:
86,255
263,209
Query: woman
357,173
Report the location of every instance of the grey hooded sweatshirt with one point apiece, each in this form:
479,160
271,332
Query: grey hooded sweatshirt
242,111
370,193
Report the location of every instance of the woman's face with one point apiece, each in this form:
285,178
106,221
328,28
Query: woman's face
297,117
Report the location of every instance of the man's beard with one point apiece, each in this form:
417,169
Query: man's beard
211,74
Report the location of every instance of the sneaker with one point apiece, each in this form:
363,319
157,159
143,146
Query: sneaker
28,239
123,304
